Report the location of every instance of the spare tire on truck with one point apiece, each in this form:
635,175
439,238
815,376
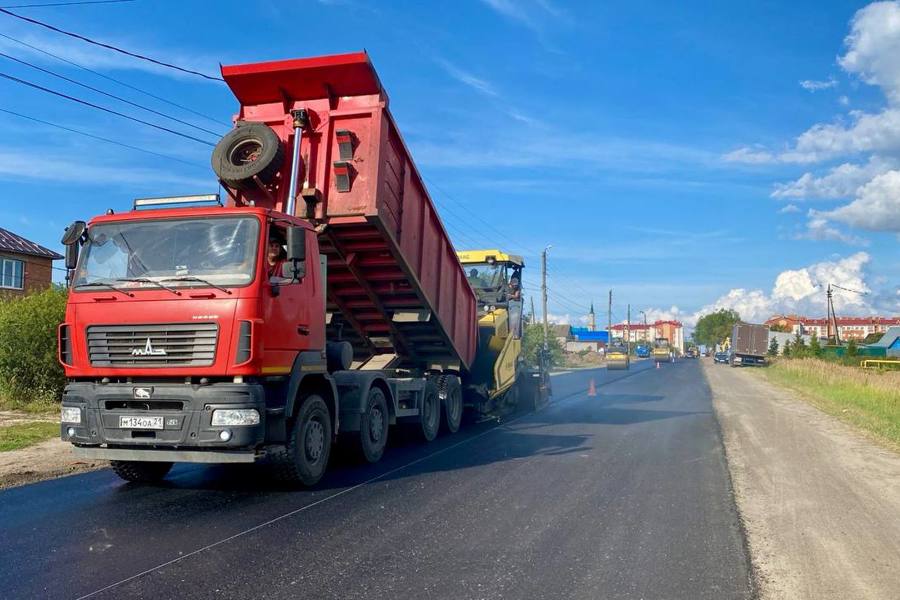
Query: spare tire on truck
247,151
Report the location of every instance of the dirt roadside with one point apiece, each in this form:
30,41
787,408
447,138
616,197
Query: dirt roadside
45,460
819,501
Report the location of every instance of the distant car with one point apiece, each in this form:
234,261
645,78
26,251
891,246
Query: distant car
721,357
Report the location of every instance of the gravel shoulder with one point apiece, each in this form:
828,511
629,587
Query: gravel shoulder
820,502
45,460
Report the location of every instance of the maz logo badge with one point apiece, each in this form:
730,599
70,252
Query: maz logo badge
148,350
142,393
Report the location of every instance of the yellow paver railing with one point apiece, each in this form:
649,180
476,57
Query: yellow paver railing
878,363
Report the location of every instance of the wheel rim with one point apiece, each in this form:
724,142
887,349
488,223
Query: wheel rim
315,440
376,425
248,151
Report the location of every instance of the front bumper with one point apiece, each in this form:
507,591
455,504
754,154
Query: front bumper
186,411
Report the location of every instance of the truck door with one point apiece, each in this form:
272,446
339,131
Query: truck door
291,307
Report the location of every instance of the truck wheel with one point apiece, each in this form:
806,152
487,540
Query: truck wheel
305,456
430,415
451,393
140,471
373,427
247,151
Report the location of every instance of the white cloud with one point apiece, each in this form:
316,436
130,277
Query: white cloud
866,132
873,46
815,86
531,14
843,100
673,313
818,228
557,319
753,156
803,291
789,208
519,147
876,207
841,181
871,50
101,59
476,83
18,163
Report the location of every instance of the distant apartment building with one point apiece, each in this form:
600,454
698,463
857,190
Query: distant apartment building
848,327
673,331
25,266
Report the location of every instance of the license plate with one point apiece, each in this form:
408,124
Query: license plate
140,422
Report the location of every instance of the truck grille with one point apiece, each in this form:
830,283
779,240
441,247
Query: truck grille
187,344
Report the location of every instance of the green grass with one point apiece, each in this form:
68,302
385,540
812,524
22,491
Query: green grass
22,435
34,407
867,399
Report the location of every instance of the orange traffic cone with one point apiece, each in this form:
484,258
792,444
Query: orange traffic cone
592,389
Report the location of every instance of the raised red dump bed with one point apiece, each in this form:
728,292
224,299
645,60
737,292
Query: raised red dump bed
394,282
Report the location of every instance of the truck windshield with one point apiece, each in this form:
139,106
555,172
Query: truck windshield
485,276
178,252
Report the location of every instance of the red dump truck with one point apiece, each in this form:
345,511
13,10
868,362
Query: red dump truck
322,296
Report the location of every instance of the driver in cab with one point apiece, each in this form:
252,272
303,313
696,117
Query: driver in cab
276,256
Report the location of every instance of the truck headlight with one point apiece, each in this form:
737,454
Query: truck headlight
232,417
70,414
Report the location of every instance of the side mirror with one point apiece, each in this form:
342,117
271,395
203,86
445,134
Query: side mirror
72,240
296,244
296,252
72,234
72,256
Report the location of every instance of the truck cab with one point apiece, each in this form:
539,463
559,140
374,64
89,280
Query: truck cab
185,329
496,278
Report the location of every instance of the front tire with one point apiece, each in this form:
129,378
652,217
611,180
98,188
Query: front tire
305,456
373,427
140,471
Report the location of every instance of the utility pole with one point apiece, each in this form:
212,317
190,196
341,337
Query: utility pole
832,316
544,295
628,331
533,314
829,310
609,322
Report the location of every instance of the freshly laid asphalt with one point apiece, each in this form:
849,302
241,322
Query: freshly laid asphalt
625,494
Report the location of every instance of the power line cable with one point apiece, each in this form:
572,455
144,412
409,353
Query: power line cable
110,47
114,80
102,139
496,231
104,109
78,3
113,96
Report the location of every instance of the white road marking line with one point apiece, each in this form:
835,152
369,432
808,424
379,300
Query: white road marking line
342,492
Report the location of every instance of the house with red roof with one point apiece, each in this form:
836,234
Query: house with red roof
848,327
25,266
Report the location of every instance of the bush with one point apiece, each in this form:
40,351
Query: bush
533,340
29,371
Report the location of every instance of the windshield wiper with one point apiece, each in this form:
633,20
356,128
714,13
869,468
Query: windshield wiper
104,284
148,280
198,280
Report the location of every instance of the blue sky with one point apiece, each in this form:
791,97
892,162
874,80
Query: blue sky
659,147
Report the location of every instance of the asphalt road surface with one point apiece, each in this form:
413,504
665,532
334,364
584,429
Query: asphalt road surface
625,494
